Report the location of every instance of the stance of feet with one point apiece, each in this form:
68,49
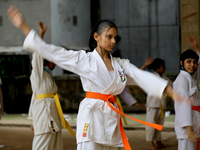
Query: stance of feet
152,146
159,144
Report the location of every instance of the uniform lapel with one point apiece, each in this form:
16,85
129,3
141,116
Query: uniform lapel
104,73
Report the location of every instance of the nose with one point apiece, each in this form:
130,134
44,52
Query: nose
192,63
113,41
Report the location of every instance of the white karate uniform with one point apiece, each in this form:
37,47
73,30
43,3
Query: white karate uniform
1,100
127,97
46,121
153,113
186,85
102,121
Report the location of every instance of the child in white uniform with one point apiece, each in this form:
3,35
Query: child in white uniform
46,122
97,124
187,119
155,107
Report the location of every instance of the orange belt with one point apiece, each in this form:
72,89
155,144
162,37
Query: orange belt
197,108
111,99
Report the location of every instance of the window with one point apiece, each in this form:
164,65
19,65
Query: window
14,65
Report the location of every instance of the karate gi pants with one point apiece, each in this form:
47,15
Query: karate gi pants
184,144
95,146
153,116
48,141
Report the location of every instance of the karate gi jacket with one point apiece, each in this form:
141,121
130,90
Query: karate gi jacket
94,116
153,101
43,111
187,85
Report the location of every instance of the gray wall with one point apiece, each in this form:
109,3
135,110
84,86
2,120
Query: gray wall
147,28
64,31
33,11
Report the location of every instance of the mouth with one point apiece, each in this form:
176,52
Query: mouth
191,70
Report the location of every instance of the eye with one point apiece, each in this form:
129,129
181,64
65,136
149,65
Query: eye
189,61
195,62
109,37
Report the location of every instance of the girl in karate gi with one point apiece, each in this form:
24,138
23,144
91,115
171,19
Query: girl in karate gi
155,107
102,77
46,122
187,118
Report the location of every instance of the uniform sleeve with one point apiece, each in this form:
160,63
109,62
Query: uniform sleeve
74,61
150,83
183,110
30,114
37,67
127,97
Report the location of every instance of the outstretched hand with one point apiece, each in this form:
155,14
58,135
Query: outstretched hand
16,17
177,97
193,42
148,61
42,29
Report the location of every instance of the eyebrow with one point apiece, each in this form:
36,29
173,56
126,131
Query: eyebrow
111,34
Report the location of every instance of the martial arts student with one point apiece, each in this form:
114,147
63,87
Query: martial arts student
98,123
46,122
187,118
1,99
155,107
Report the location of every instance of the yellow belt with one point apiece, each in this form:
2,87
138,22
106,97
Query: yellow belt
119,103
60,112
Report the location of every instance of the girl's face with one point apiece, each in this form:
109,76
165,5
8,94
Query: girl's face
161,70
107,39
51,65
190,65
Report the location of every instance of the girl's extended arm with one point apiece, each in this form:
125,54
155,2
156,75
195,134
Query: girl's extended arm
147,62
170,92
16,17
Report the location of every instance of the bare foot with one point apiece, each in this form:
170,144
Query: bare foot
159,144
152,146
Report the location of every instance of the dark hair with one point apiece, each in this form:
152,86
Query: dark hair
189,54
46,62
99,28
157,62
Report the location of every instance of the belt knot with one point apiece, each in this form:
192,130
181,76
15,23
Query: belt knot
112,98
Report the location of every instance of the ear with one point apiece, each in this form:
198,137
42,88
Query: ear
181,63
96,37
